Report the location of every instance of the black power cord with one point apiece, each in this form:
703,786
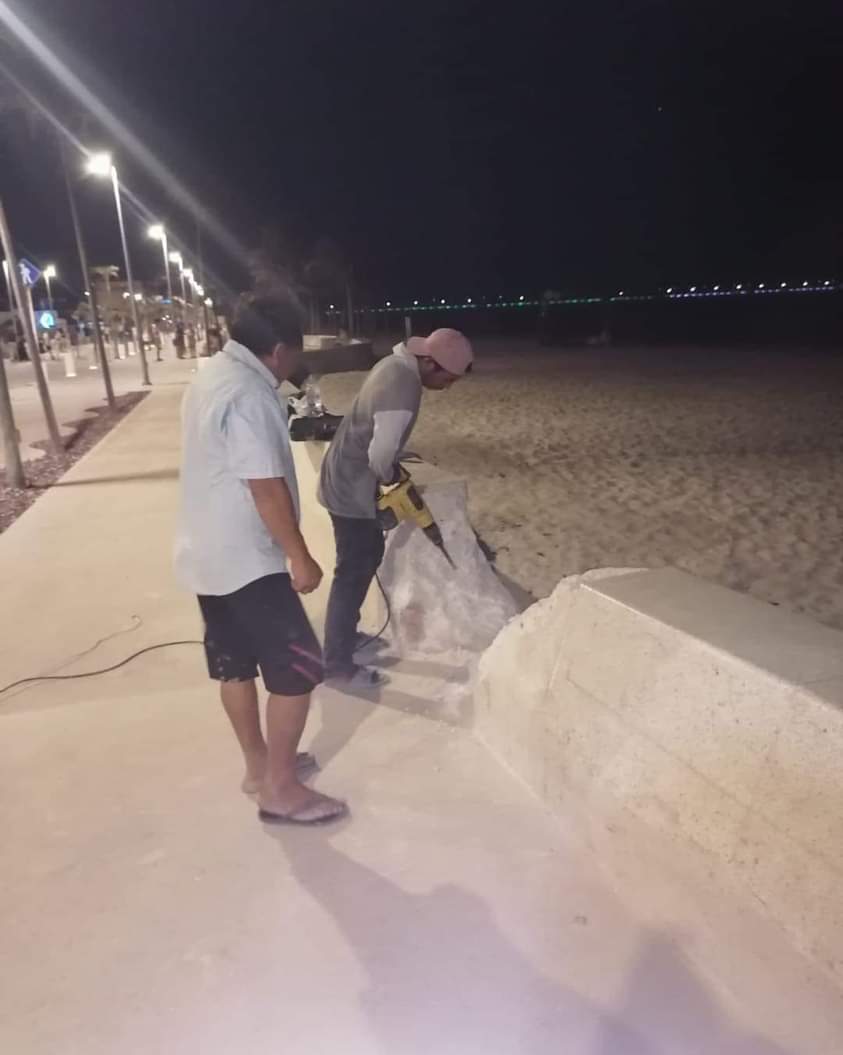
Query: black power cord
383,629
94,673
170,644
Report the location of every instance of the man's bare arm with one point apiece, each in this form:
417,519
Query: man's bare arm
275,506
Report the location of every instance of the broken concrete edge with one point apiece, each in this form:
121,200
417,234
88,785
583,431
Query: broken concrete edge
691,734
427,475
318,532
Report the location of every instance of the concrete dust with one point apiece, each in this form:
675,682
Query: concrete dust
452,614
437,608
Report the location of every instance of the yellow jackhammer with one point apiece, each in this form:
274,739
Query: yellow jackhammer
402,501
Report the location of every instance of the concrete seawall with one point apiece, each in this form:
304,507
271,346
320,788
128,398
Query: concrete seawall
672,720
693,736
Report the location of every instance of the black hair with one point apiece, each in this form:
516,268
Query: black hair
261,322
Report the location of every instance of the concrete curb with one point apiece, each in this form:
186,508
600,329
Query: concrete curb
658,703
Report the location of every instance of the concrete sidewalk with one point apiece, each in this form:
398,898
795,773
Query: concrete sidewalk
74,397
146,910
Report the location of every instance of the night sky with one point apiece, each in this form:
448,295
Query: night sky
452,151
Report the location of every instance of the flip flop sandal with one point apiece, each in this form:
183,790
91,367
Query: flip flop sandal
331,810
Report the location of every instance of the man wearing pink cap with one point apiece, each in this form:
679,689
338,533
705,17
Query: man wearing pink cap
364,454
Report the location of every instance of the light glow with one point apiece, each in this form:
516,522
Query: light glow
99,165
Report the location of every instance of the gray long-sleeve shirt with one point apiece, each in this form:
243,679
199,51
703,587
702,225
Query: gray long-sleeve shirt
371,437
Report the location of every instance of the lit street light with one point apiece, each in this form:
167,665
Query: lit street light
49,272
159,233
101,165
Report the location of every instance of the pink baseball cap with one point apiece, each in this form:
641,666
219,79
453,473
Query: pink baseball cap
449,349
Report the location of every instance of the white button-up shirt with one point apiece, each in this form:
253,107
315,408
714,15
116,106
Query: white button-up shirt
234,429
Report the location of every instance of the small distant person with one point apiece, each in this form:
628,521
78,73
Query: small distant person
240,550
364,453
178,340
155,338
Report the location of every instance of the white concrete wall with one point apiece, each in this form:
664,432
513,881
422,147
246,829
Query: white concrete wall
679,720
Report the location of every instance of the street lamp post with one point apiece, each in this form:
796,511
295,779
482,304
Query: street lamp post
101,165
199,292
139,304
87,278
177,258
191,282
11,448
159,232
29,334
12,305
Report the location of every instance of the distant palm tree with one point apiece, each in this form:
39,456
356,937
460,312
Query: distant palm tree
328,276
310,275
275,265
106,272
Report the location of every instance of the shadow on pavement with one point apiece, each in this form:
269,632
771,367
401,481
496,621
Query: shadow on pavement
442,977
342,715
425,668
345,710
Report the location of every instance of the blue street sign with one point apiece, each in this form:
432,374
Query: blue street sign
28,272
46,320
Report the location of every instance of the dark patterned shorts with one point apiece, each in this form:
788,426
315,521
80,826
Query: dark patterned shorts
262,626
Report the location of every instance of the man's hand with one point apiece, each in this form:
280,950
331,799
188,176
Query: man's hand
275,505
305,574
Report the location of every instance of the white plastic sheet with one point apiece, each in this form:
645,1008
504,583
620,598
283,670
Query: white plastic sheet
436,608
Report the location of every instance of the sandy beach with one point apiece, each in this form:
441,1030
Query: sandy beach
725,464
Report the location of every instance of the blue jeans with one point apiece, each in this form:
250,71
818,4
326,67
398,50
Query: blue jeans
360,549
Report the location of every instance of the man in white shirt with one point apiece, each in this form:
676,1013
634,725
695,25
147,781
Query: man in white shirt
239,549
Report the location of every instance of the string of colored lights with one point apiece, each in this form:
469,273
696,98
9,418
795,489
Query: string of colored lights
740,289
